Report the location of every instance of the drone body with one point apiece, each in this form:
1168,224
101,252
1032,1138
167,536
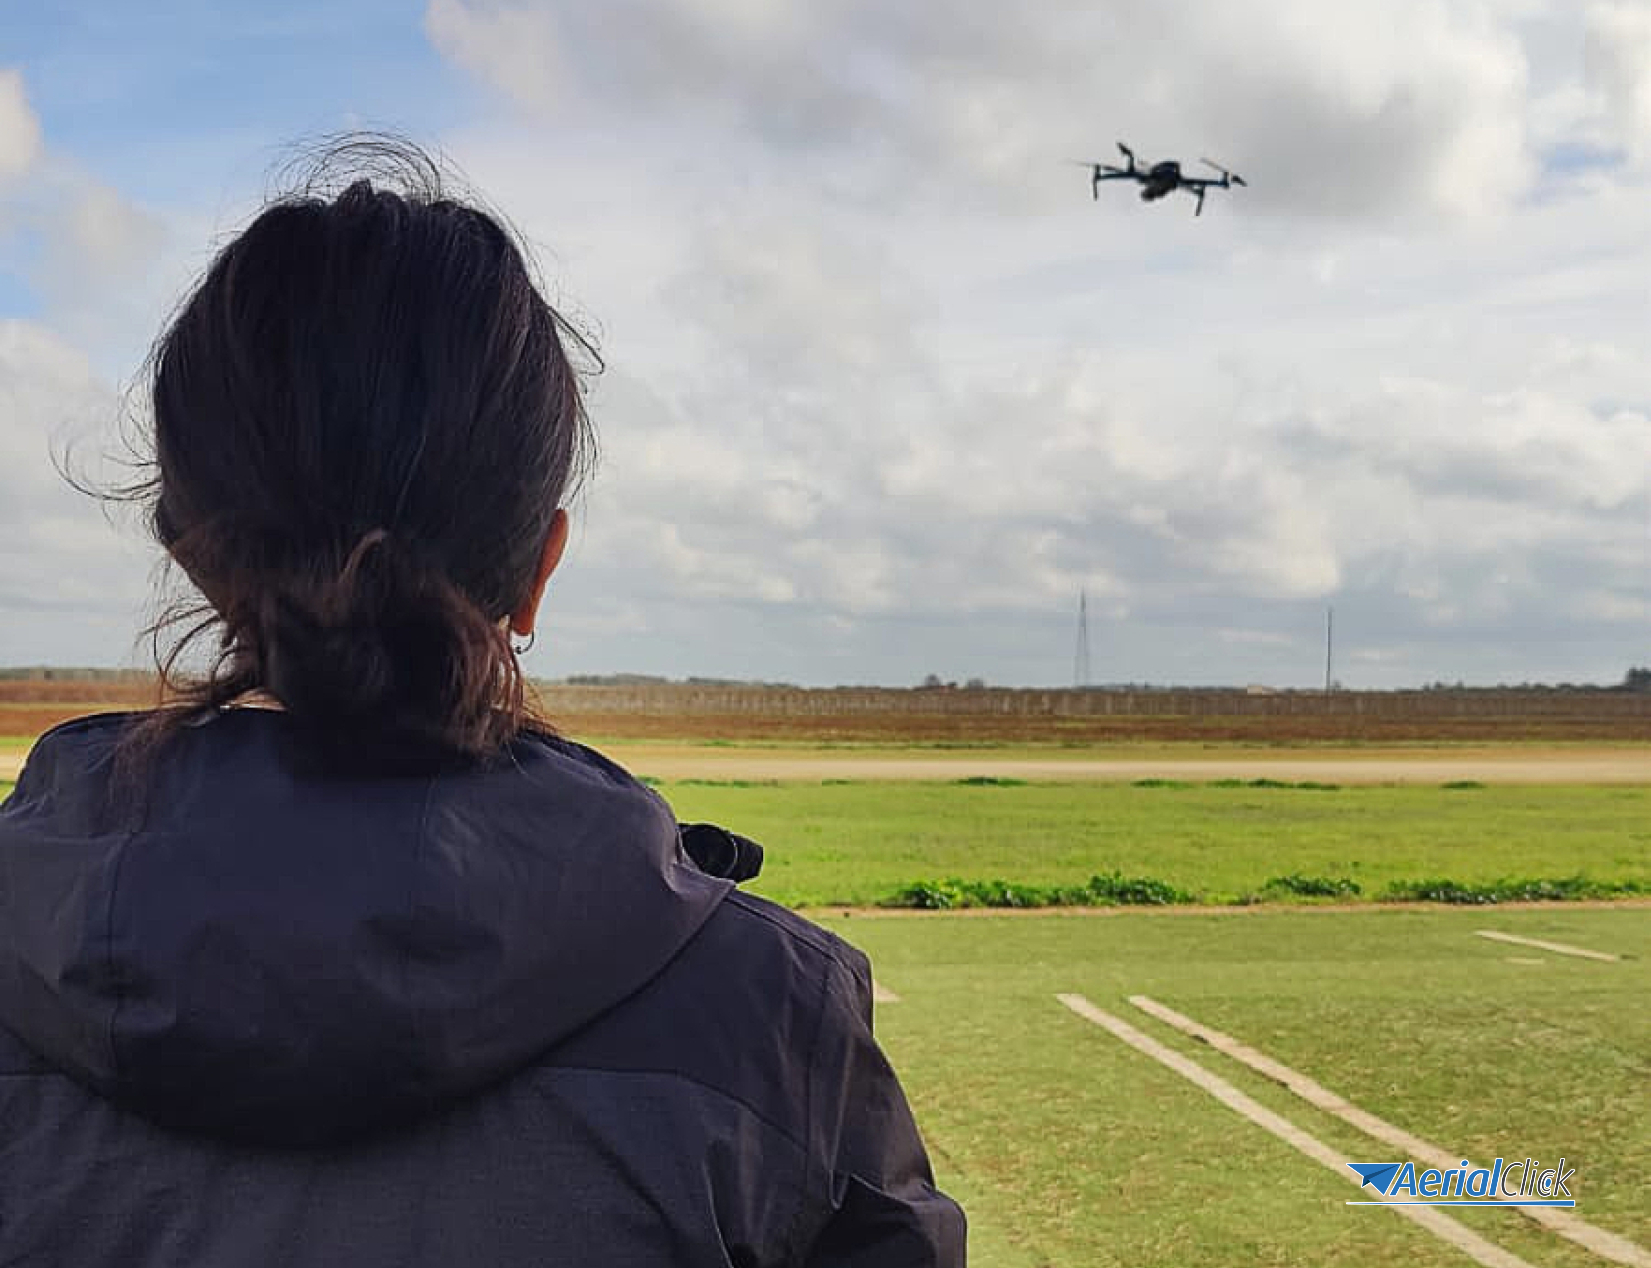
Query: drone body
1161,178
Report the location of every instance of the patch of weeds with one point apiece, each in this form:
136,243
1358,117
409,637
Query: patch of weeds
1113,889
1136,890
1313,886
1521,889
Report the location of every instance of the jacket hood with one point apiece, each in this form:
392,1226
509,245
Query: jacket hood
275,954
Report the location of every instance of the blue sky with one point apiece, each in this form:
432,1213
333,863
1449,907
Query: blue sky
182,106
886,387
139,91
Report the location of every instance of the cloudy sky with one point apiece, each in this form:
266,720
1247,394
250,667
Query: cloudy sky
885,389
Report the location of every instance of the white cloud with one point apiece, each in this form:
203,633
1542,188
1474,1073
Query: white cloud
95,241
91,255
19,129
886,388
106,233
1618,60
71,587
1345,110
47,388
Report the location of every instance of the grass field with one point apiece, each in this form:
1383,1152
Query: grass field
858,843
1069,1147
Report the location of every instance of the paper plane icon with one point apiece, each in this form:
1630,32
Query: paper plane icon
1376,1174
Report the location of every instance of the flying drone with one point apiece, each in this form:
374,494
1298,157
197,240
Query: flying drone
1159,179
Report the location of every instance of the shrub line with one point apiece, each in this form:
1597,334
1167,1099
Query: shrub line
1113,889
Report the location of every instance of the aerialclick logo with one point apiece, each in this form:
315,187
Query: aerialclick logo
1519,1183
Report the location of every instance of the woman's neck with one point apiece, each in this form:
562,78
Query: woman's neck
257,698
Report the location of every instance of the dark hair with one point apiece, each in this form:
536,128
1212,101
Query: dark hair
364,418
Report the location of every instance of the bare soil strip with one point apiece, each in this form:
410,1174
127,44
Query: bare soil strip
1558,948
1604,1244
706,711
1573,766
1488,765
1436,1222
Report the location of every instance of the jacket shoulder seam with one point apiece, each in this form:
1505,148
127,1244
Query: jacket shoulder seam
659,1071
796,1230
414,876
85,720
820,940
117,987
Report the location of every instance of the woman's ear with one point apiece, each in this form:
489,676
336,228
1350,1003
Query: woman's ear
522,619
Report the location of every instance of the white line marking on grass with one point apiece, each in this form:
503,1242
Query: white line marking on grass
1523,959
881,994
1558,948
1607,1245
1440,1225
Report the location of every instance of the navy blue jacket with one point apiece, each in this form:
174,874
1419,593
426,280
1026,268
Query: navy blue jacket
488,1016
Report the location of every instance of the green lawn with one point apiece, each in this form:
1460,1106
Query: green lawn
856,843
1068,1147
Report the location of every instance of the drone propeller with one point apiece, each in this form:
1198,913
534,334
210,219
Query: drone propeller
1234,177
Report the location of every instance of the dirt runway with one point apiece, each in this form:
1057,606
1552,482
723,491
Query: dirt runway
1519,765
1513,765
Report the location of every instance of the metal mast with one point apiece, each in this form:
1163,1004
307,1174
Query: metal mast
1080,659
1329,630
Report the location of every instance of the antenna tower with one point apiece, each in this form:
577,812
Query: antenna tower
1080,659
1329,629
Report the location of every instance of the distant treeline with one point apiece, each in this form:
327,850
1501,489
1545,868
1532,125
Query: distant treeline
668,698
648,680
72,673
1637,679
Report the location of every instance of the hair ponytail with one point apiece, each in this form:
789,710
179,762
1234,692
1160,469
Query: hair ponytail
386,649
